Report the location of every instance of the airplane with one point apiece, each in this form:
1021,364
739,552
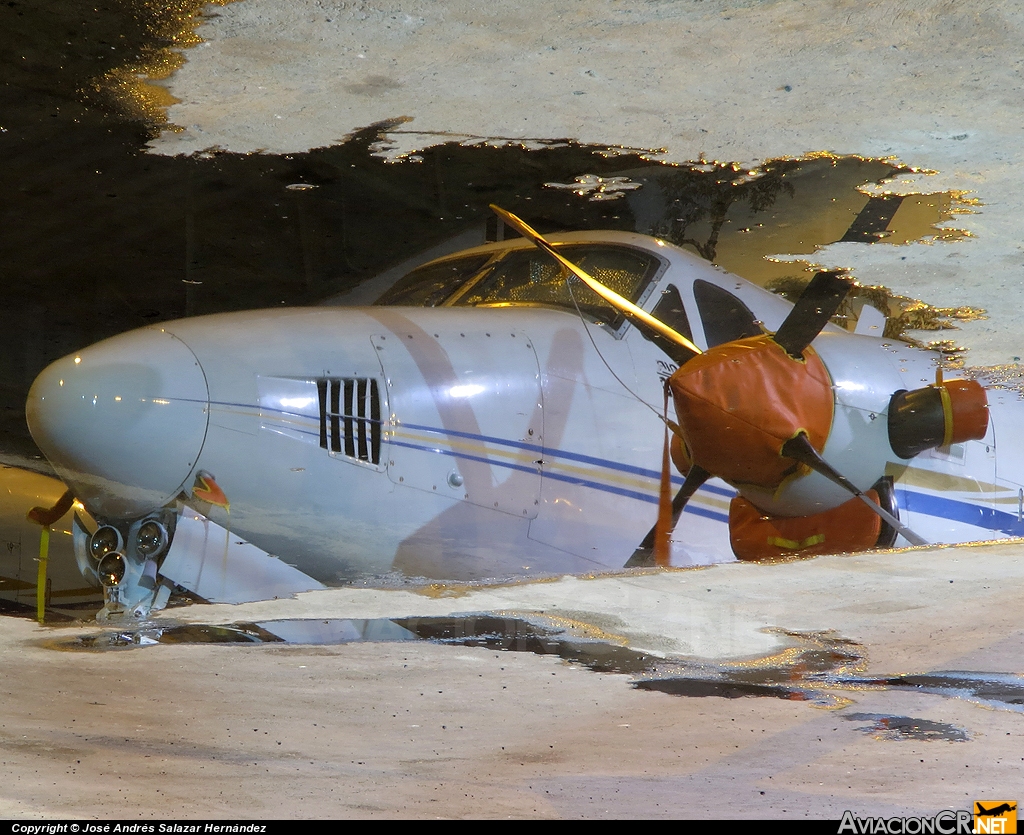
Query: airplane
512,410
995,811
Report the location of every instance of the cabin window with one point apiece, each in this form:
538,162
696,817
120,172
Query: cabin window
350,421
530,276
431,284
725,317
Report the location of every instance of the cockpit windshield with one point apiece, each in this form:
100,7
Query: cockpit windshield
531,277
430,285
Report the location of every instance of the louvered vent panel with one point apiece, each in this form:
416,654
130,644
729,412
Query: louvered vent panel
350,422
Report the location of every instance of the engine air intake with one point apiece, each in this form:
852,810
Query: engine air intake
936,416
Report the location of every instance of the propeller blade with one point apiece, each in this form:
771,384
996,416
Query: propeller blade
644,554
817,304
799,449
631,311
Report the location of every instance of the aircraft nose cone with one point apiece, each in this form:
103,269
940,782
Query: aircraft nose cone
123,421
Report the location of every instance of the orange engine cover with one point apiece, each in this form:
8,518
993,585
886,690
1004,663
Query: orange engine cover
968,407
739,402
852,526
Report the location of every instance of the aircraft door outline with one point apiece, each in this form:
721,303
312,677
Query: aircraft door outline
466,419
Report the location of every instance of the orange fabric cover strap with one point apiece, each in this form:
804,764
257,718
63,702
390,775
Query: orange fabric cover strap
852,526
663,527
739,402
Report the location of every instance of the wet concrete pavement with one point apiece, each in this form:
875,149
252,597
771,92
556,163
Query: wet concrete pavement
424,729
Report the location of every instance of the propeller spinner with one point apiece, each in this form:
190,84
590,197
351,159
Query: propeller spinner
757,412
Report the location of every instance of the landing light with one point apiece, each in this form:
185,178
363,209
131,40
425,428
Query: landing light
151,538
111,569
106,540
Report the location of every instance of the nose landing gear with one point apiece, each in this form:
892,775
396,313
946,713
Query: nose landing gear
123,558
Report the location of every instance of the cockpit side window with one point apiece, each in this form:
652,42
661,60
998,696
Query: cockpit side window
429,285
725,317
670,310
530,276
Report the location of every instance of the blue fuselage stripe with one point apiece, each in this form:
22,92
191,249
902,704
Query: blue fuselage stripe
959,511
954,510
564,455
650,498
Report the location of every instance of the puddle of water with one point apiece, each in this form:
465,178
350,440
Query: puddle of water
516,635
1007,377
994,689
239,633
821,668
902,728
904,314
134,86
497,632
798,673
223,232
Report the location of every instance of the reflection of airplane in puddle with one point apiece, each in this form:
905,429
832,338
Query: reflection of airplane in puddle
492,418
21,490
